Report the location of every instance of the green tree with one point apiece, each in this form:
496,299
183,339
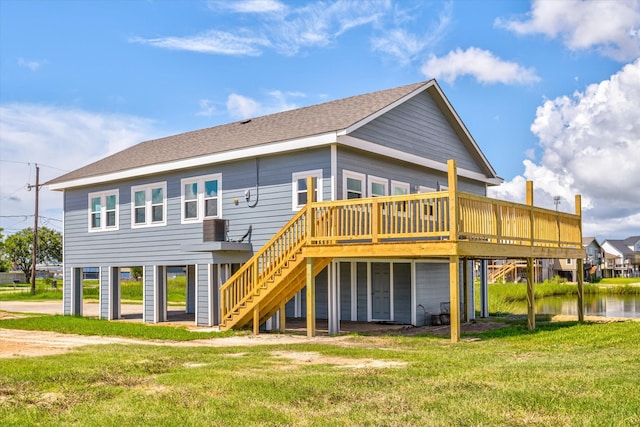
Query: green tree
18,248
5,264
136,273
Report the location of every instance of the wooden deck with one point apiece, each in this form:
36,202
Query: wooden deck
445,224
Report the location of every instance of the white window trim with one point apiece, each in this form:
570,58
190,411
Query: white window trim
103,210
316,173
423,189
200,180
400,184
354,175
377,180
148,203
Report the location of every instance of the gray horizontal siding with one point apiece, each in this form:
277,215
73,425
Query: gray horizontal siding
394,170
203,299
418,127
432,285
163,245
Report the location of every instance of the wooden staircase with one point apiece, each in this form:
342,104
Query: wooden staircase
270,278
500,271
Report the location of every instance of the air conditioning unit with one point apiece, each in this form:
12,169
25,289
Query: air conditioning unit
215,230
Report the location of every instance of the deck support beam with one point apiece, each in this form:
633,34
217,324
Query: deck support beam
311,298
531,299
256,319
454,296
580,273
580,265
282,315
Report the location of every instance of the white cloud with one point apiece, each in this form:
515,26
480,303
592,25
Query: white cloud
289,29
248,6
242,107
216,42
406,46
32,65
59,140
481,64
207,108
611,27
590,146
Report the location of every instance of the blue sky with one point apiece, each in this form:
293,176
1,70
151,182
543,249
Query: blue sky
549,90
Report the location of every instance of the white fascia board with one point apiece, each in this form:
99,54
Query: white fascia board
350,141
226,156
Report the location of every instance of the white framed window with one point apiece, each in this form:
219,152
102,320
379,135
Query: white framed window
201,198
104,211
299,187
378,187
149,205
353,185
399,188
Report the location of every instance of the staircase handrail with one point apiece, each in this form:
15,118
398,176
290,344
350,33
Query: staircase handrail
263,264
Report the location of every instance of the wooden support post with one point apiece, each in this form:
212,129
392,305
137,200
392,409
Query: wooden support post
580,266
310,212
282,324
375,220
311,299
452,175
454,296
580,273
256,320
531,215
531,299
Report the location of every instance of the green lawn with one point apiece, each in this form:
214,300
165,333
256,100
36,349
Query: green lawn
563,374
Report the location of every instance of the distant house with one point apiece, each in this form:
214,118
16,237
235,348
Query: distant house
595,257
622,257
368,208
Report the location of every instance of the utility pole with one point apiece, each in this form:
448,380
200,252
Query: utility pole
35,234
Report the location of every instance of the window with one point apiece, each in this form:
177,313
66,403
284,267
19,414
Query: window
201,198
377,186
149,205
352,185
399,188
299,187
103,211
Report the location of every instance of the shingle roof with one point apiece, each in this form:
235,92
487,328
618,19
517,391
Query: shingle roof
303,122
620,246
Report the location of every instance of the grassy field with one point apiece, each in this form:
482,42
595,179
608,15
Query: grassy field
563,374
91,326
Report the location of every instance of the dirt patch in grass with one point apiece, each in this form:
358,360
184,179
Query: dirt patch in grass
298,358
21,343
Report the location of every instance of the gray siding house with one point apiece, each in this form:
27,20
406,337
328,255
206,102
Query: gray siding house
208,200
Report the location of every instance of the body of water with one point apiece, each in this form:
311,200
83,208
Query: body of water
594,305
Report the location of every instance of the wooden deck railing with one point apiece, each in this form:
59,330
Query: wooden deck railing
427,216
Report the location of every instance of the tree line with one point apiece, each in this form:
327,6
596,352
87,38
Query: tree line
16,250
